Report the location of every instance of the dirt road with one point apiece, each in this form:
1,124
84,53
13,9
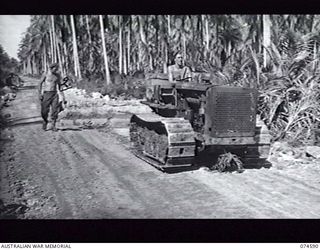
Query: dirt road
80,174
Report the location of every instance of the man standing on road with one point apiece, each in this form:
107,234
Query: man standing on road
178,71
49,87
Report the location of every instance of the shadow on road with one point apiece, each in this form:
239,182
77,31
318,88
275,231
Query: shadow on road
9,139
69,129
16,120
27,87
24,121
11,211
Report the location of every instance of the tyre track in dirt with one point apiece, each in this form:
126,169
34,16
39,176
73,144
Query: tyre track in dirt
268,194
146,200
23,169
229,186
186,197
44,157
260,194
281,180
272,195
82,184
298,196
304,185
98,180
61,170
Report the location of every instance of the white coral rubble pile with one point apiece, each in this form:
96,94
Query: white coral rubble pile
78,99
284,155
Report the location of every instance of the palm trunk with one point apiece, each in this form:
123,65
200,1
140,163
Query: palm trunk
163,43
60,59
266,38
44,59
62,55
203,30
199,28
29,69
34,65
88,29
165,58
169,26
90,63
66,57
141,30
184,46
139,55
207,34
81,21
150,62
125,63
74,46
57,48
75,49
259,35
143,60
60,51
51,46
64,66
54,39
229,47
128,49
38,65
120,45
105,57
64,45
216,33
24,68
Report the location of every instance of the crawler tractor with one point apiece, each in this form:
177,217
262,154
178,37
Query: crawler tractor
194,122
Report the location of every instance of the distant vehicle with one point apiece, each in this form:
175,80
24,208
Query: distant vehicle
13,81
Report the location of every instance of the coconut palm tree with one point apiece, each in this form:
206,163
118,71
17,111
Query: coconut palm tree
77,70
105,56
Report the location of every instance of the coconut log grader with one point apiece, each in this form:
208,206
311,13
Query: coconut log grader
193,123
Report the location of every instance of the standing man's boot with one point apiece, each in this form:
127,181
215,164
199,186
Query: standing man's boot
44,125
54,128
